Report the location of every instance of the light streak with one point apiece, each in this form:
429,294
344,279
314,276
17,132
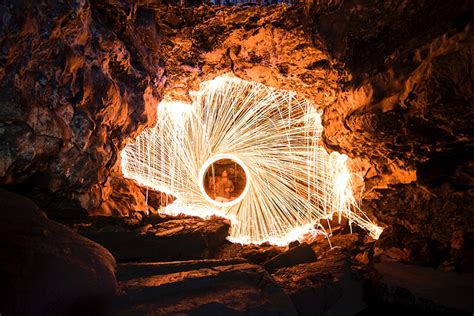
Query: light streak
292,181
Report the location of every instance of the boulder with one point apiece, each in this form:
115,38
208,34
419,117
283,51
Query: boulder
47,269
302,253
253,253
324,287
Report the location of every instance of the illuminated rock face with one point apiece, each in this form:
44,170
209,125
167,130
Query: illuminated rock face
76,80
291,182
391,78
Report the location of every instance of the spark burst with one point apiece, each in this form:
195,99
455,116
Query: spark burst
292,182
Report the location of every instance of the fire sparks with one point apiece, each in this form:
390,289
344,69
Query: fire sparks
291,181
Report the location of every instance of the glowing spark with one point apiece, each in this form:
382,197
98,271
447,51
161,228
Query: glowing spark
291,181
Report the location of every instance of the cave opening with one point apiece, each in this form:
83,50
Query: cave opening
273,136
236,157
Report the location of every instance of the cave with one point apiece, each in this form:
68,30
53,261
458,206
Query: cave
236,157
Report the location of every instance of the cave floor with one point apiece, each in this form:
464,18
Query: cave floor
185,265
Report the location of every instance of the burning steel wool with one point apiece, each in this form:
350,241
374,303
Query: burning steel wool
249,153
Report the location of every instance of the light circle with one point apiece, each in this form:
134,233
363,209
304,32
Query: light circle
203,172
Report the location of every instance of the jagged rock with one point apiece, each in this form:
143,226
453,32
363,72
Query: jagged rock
400,245
124,197
293,244
395,254
400,115
263,44
302,253
462,251
324,287
421,289
394,79
77,80
47,269
253,253
363,257
172,238
345,242
205,287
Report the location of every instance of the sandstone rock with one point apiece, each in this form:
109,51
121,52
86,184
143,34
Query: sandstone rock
205,287
302,253
47,269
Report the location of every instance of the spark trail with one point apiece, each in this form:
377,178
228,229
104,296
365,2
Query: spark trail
292,181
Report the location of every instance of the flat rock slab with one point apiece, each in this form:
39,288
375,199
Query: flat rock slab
425,288
324,287
302,253
178,238
200,287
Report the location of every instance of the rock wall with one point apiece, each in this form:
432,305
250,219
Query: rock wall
77,79
394,80
407,113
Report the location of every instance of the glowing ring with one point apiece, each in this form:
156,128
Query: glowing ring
202,174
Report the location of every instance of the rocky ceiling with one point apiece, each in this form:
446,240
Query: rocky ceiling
395,81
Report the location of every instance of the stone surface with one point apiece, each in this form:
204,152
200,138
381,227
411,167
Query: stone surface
77,79
331,285
160,239
405,115
263,44
324,287
427,290
206,287
47,269
302,253
253,253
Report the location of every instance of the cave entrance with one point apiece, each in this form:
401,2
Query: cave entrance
266,141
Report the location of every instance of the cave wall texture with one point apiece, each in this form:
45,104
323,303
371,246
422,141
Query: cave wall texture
77,78
395,81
